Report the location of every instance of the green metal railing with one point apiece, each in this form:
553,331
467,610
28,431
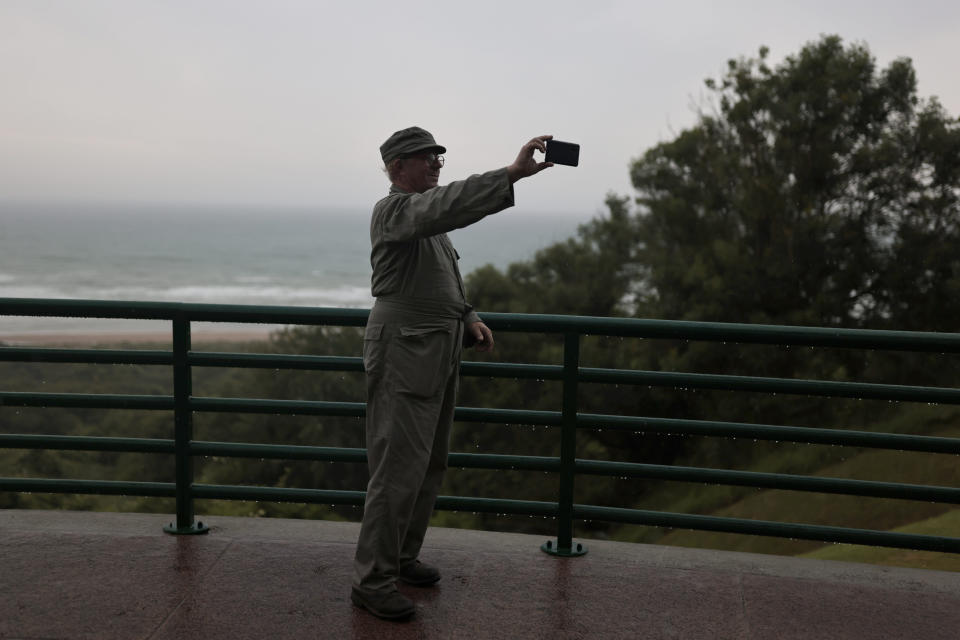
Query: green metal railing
184,404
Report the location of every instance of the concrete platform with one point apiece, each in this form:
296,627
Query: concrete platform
82,575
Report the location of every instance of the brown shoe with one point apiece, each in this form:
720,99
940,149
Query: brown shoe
391,605
418,574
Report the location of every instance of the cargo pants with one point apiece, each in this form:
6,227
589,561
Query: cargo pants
412,365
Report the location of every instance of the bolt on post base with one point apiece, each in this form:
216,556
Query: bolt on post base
551,547
193,530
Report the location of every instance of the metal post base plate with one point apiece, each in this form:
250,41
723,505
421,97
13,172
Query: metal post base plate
193,530
551,547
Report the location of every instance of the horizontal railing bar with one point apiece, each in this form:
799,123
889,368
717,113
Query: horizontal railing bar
274,361
339,363
276,314
811,435
84,400
85,356
492,461
498,505
487,505
97,487
508,416
632,327
511,370
903,442
253,405
831,388
69,308
342,363
286,407
609,376
358,409
85,443
781,481
727,331
343,454
516,416
276,494
195,312
501,461
615,376
278,451
766,528
259,360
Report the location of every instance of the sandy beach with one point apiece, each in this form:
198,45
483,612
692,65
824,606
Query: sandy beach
115,338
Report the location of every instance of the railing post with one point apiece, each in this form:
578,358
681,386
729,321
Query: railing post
183,430
568,450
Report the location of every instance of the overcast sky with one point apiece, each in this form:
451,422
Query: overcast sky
284,103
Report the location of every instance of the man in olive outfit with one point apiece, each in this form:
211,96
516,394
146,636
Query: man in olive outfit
411,353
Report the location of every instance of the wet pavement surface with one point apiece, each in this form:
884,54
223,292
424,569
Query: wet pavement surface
82,575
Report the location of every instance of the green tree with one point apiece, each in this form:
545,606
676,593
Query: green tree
589,274
821,192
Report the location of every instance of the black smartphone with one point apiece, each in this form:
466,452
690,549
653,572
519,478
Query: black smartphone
567,153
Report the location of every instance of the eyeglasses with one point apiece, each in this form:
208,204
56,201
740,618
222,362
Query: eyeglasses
431,158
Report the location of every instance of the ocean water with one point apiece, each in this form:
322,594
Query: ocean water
213,255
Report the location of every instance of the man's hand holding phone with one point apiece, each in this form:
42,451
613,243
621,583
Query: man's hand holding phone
525,166
556,152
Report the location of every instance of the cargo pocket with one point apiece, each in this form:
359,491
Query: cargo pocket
373,350
419,357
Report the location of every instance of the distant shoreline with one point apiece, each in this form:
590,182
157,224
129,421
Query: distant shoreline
113,338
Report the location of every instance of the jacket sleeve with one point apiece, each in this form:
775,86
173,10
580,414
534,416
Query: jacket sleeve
402,217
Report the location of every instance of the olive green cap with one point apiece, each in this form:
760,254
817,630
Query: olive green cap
409,140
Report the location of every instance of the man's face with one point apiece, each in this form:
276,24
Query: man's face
421,171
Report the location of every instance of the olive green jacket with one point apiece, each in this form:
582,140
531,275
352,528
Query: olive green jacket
412,258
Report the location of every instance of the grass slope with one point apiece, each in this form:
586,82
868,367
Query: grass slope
845,511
